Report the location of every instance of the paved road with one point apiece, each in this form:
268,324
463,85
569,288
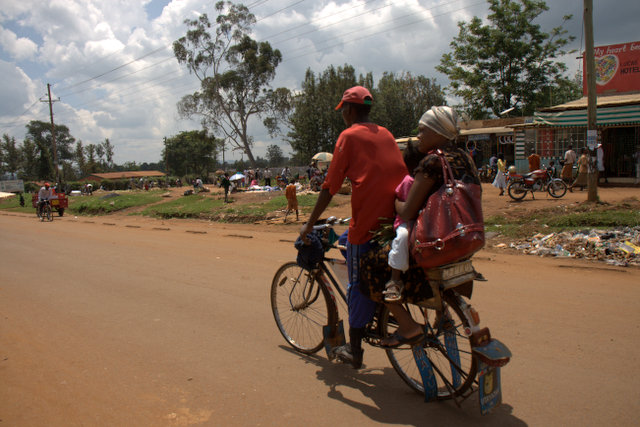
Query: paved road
148,323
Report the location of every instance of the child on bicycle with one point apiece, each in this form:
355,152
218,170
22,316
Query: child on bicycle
399,253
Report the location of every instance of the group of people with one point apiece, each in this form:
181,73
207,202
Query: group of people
569,160
384,184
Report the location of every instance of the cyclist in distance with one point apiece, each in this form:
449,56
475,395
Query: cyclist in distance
43,195
369,156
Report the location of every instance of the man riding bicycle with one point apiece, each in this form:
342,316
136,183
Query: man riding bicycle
43,196
369,156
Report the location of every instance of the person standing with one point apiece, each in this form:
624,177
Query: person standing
501,175
567,168
267,177
636,156
600,163
534,161
292,200
225,183
369,156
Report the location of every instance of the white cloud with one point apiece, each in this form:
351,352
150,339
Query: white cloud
20,48
81,46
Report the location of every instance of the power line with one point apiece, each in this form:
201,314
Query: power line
119,77
319,19
342,35
280,10
116,68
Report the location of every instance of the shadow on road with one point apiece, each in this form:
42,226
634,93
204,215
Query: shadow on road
391,401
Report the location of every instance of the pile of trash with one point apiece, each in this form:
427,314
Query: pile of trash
619,247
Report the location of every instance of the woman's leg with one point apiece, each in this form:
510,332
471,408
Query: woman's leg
407,327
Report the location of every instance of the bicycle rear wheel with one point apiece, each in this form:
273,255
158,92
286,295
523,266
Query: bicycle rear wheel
516,190
557,188
447,346
301,306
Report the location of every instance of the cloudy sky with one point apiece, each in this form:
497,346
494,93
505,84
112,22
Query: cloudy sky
111,66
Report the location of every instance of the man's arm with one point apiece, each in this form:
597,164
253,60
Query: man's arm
321,204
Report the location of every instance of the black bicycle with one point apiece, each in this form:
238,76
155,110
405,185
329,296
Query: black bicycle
304,302
44,211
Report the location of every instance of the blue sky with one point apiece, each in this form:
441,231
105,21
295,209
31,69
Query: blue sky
90,50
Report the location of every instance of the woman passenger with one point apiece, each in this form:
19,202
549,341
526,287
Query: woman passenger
437,129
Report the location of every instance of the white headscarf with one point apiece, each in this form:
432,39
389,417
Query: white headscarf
442,120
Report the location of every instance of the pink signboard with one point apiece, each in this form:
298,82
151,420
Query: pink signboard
617,68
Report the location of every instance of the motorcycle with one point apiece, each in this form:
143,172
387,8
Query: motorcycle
538,180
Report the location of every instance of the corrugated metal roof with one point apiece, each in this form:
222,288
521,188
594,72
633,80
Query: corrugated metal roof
126,174
627,114
498,130
602,101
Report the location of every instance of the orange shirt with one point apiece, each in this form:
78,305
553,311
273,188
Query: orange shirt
292,199
369,156
534,162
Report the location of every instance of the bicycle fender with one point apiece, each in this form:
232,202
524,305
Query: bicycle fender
426,372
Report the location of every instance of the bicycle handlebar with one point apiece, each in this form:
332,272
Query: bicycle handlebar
330,222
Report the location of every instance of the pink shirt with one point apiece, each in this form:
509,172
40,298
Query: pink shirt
402,191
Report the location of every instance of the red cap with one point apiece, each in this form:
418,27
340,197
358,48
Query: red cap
356,95
46,184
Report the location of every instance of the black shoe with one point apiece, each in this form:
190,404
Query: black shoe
346,355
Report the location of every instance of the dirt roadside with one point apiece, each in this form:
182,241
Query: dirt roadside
126,320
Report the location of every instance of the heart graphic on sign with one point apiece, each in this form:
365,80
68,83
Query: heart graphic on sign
606,67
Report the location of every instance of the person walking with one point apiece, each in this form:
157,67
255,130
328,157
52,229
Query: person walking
369,156
583,169
501,175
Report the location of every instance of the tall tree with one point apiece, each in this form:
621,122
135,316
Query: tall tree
400,100
192,152
506,62
314,123
235,72
40,133
92,165
275,156
11,154
80,159
108,153
29,156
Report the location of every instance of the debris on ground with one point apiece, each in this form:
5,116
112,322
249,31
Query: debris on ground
620,247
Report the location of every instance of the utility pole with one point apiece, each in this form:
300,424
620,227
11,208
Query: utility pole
592,102
166,162
53,134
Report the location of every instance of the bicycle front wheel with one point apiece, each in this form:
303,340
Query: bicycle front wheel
447,346
301,306
48,213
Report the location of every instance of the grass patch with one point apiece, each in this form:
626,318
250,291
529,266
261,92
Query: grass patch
111,202
555,220
13,204
194,206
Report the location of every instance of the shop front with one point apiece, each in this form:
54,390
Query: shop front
618,125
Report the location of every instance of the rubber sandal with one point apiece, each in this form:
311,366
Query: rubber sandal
400,340
393,291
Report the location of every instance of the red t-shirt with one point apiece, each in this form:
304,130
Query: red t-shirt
369,156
